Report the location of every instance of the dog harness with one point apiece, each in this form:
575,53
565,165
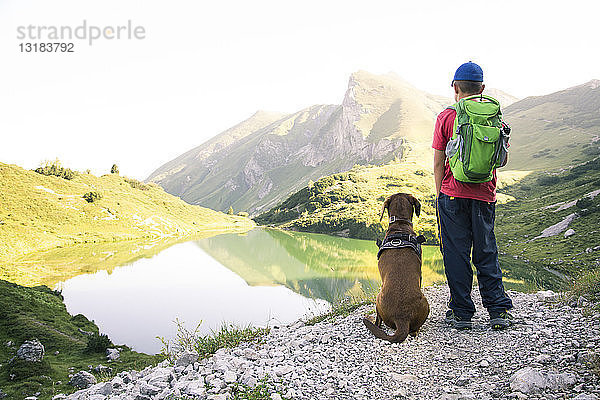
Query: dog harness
399,241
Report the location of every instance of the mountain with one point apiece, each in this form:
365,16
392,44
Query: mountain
41,212
504,98
555,130
256,164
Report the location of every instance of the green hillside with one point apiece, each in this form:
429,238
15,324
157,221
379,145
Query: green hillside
349,204
39,212
546,199
556,130
39,313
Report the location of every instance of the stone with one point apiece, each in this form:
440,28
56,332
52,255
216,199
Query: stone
251,354
82,380
186,358
275,396
585,396
59,396
126,376
112,354
194,388
117,382
31,350
569,232
30,398
221,396
547,296
404,378
230,376
561,382
3,395
104,388
527,380
149,390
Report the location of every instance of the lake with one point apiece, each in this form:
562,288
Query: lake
261,277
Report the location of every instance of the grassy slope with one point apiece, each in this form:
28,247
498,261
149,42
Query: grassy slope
538,198
555,130
38,312
40,212
349,204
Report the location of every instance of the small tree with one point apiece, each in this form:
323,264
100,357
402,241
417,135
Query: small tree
114,169
91,197
230,211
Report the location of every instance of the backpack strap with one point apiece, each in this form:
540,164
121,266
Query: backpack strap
451,108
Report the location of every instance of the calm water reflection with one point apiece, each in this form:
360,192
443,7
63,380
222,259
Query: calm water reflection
260,277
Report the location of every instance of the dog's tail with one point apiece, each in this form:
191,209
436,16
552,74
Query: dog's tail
398,337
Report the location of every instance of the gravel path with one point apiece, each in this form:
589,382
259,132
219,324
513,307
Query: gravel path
546,355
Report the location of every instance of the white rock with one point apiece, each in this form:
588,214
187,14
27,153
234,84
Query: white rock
149,390
186,358
528,380
585,396
561,382
275,396
230,376
82,380
251,354
31,350
569,233
547,296
404,378
112,354
195,388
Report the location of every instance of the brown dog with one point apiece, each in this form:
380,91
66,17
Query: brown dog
400,304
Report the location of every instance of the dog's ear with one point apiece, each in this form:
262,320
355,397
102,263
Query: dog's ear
415,203
386,203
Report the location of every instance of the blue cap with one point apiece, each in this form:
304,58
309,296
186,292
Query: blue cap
469,71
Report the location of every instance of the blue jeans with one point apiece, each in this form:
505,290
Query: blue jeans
466,229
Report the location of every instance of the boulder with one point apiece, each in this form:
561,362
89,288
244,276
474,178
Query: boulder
528,380
569,233
31,350
112,354
59,396
186,358
83,380
2,394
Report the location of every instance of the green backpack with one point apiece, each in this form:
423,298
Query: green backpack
479,142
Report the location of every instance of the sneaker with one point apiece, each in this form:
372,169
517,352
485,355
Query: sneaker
501,320
456,322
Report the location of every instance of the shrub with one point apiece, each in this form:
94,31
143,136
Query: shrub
53,168
22,369
243,214
98,343
114,169
91,197
547,180
134,183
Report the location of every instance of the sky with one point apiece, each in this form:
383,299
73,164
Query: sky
201,67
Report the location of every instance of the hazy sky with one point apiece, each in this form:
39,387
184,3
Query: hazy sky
205,66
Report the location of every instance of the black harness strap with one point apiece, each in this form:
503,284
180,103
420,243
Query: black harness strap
399,241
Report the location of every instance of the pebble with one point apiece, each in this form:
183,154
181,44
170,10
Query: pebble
548,354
